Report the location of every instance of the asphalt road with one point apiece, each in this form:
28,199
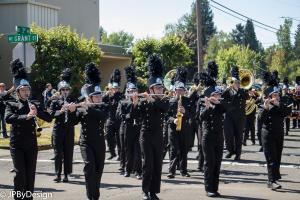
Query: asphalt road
245,179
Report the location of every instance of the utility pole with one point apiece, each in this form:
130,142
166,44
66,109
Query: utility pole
199,35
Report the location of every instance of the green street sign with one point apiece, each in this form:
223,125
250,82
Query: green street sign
22,38
23,30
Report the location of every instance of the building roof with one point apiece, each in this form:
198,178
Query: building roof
114,51
29,2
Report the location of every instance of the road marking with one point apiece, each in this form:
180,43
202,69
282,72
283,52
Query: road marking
291,166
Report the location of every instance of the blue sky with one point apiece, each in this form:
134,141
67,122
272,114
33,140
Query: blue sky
148,17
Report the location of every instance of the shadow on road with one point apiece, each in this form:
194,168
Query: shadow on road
240,198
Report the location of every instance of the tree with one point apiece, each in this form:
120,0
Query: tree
58,48
102,33
172,50
297,42
120,38
238,34
236,55
219,41
141,51
284,39
250,36
186,27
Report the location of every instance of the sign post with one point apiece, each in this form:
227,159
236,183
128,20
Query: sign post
23,36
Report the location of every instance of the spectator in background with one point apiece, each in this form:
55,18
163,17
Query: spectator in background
4,95
47,94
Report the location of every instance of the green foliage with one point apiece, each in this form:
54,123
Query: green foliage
120,38
250,36
186,27
284,39
297,43
58,48
173,51
141,51
219,41
236,55
237,34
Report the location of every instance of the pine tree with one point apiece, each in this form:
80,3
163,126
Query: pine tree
297,42
250,36
237,34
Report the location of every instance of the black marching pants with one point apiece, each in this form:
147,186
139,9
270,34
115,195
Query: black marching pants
212,144
152,152
24,161
63,144
273,145
93,156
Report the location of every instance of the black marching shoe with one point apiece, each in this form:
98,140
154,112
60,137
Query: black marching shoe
153,196
228,155
126,174
274,185
111,156
186,174
57,179
218,194
261,149
138,176
211,194
237,158
171,175
65,180
145,196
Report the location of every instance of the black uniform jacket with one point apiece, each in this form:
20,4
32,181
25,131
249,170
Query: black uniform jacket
212,118
173,107
152,114
92,123
23,131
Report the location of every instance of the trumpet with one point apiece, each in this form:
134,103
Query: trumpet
38,128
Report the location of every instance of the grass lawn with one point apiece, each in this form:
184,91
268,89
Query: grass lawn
44,140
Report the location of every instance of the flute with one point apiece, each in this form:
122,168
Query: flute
142,95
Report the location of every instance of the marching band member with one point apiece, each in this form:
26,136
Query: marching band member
287,99
211,116
112,125
62,110
179,137
151,110
273,129
21,114
131,130
171,94
297,102
92,115
250,117
235,117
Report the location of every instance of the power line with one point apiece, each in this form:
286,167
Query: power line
241,18
258,22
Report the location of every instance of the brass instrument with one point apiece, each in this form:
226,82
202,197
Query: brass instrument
179,115
168,77
246,78
250,106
